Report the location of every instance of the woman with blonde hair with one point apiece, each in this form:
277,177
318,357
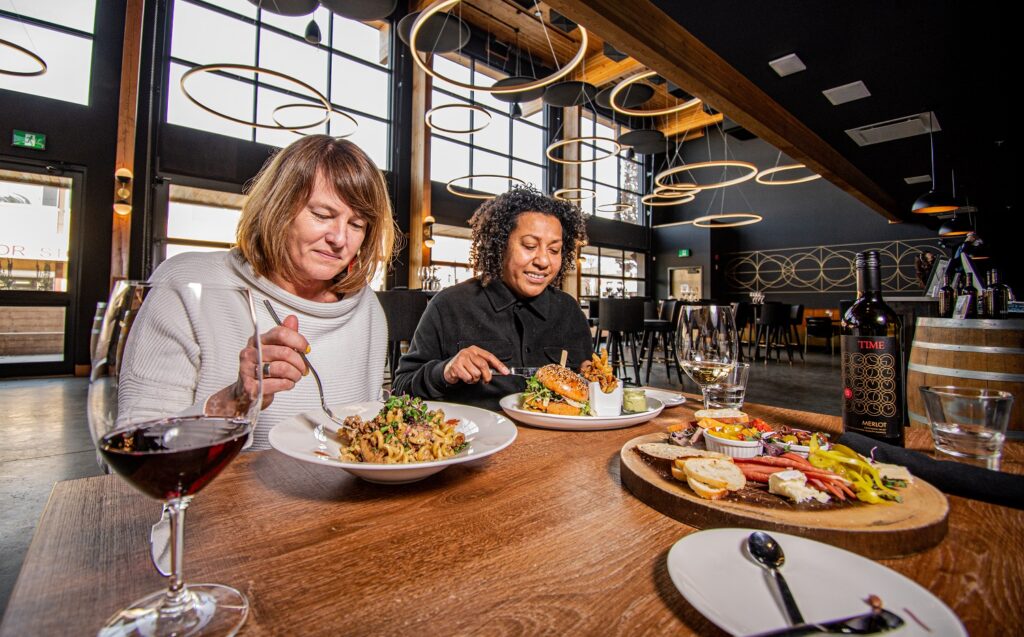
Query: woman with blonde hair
314,231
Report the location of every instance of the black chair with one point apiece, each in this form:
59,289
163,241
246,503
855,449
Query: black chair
593,310
820,327
403,309
773,328
743,315
664,327
796,319
623,319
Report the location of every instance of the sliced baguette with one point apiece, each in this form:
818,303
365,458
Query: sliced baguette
666,452
716,473
705,491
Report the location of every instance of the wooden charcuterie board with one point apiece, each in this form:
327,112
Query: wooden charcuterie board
872,530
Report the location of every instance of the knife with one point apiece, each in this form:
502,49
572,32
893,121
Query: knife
870,623
525,372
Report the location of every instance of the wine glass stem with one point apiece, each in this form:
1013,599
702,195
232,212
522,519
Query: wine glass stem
177,594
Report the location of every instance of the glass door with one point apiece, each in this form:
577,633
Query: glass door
37,269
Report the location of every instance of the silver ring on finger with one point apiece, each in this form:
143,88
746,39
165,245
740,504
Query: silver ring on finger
266,370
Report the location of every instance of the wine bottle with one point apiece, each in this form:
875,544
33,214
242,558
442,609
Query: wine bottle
947,296
996,296
972,296
874,404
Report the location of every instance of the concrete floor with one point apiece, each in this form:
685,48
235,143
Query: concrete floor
46,437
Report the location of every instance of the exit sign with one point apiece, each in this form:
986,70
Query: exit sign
684,252
26,139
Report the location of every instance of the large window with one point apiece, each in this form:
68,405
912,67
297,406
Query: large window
505,146
449,258
348,67
610,272
615,179
58,31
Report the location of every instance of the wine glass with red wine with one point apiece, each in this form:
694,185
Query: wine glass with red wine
175,390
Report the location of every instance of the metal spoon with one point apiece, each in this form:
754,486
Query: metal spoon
766,551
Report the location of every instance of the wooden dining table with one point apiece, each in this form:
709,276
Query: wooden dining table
542,538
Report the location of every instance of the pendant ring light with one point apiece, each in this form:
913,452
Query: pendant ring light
784,182
624,84
676,190
20,49
452,188
582,194
472,108
614,207
296,105
440,5
744,219
663,200
659,179
576,140
206,68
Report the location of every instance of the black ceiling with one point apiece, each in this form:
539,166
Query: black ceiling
955,59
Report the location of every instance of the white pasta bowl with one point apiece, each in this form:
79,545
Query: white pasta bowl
486,432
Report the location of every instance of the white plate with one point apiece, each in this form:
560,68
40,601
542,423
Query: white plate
713,572
670,398
511,404
486,432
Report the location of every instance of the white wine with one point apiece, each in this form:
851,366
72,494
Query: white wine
706,373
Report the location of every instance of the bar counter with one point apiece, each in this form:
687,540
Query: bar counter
540,539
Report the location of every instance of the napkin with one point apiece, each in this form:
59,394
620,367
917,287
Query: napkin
954,478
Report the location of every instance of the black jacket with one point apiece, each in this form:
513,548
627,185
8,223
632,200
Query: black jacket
521,333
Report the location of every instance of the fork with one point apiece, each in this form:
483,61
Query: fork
318,431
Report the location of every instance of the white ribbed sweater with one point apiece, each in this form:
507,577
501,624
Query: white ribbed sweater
175,360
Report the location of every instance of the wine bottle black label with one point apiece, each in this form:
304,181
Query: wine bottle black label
872,386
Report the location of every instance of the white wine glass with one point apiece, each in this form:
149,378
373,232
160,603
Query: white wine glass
707,344
167,415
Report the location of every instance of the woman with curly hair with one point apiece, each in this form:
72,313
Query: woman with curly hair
512,314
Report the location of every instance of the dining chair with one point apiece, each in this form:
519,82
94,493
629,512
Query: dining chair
623,320
403,309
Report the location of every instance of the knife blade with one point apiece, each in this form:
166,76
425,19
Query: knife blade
870,623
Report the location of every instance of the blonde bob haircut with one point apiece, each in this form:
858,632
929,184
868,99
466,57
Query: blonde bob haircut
283,187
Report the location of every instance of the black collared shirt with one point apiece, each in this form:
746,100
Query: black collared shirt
520,332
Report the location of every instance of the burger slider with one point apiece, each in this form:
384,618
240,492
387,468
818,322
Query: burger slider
557,390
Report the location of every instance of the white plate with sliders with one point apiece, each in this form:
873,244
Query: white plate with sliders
709,567
669,398
486,432
512,406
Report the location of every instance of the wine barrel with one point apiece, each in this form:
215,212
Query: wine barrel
981,353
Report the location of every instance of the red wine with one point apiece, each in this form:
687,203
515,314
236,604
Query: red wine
872,345
175,457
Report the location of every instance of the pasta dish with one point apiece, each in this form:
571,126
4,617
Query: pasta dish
403,431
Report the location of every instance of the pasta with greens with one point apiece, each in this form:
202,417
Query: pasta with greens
403,431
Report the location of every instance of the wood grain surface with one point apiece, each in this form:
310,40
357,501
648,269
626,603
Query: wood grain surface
541,539
916,524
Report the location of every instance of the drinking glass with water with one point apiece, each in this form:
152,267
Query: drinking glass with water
968,423
731,390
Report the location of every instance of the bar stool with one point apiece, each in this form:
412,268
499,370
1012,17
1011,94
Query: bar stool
743,314
820,327
796,319
664,327
773,327
403,309
623,319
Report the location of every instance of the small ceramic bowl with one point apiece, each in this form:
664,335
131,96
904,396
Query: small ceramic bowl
773,446
734,448
605,405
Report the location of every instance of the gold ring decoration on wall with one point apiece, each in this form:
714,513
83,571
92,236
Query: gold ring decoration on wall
659,179
440,5
273,116
451,187
473,108
654,112
785,182
206,68
746,218
20,49
583,194
578,140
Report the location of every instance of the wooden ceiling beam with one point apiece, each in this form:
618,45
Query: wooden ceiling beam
673,126
600,70
643,31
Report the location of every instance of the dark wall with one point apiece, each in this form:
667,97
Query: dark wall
815,213
82,137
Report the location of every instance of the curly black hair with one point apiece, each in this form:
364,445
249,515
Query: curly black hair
494,221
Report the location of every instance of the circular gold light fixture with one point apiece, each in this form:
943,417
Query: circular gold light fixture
674,223
579,140
297,105
440,5
429,118
614,207
744,219
20,49
452,188
659,179
652,199
784,182
581,194
676,190
654,112
206,68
